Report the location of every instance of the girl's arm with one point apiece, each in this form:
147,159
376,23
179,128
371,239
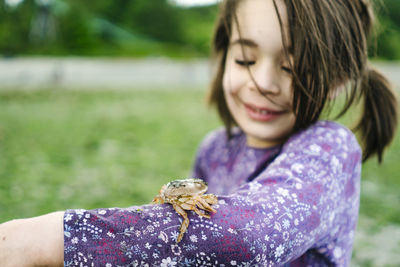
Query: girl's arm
35,241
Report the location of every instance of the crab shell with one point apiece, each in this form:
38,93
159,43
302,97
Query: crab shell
180,188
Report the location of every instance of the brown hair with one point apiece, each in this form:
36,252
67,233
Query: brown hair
331,49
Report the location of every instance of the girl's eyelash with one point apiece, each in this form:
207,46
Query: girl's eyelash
247,63
244,62
286,69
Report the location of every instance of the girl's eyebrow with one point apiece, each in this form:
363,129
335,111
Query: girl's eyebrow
251,43
245,42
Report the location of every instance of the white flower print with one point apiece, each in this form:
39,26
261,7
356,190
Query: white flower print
68,217
108,265
74,240
342,133
279,251
286,236
276,210
174,235
297,167
315,148
163,236
150,228
258,258
334,162
148,246
280,199
337,252
79,212
278,226
283,192
233,263
286,224
193,238
266,238
110,234
168,262
176,250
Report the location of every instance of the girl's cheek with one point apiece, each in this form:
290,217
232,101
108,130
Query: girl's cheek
226,84
233,79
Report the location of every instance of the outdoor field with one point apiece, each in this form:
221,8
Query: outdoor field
63,149
102,102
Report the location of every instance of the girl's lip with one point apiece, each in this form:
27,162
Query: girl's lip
258,108
261,113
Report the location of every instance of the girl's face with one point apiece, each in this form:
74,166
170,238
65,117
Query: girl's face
257,79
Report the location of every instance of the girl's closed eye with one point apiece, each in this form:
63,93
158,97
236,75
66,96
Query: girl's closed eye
245,63
286,69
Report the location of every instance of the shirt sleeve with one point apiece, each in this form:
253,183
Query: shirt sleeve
307,198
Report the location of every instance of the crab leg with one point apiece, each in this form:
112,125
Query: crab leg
185,222
204,205
210,199
201,213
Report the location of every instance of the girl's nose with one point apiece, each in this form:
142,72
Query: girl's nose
265,79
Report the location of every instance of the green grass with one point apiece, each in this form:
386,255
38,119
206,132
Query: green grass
69,149
89,149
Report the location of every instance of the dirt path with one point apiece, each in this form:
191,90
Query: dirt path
84,73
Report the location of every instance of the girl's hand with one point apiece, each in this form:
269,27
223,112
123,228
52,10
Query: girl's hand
37,241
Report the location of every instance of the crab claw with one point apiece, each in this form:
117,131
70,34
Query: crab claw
157,200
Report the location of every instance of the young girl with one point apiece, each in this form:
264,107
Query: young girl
288,185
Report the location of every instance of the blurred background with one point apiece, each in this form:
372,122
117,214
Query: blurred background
102,102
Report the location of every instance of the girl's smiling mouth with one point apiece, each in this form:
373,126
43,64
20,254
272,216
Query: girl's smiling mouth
261,113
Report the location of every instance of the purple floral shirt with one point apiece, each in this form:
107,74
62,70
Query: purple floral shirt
292,205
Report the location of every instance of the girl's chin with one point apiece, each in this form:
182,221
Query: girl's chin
264,137
262,142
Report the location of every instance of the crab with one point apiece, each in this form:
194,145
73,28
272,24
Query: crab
187,194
